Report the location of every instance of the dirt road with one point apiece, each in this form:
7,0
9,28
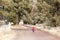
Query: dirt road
27,34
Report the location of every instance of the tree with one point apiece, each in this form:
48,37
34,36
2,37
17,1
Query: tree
33,11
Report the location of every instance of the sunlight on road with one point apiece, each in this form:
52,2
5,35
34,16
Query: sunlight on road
6,34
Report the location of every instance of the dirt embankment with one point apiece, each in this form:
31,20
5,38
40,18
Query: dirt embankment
52,30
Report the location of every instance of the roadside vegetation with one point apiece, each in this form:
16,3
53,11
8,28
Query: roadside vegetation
32,11
45,12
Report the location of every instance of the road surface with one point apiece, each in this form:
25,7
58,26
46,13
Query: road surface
27,34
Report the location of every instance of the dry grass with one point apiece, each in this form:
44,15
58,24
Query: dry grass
18,27
52,30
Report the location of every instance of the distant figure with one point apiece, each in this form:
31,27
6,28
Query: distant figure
9,26
33,29
21,22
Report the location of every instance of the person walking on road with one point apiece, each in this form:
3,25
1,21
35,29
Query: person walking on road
33,29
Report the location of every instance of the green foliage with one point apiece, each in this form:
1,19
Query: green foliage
42,11
12,17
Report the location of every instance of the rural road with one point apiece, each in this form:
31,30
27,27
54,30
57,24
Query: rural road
27,34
